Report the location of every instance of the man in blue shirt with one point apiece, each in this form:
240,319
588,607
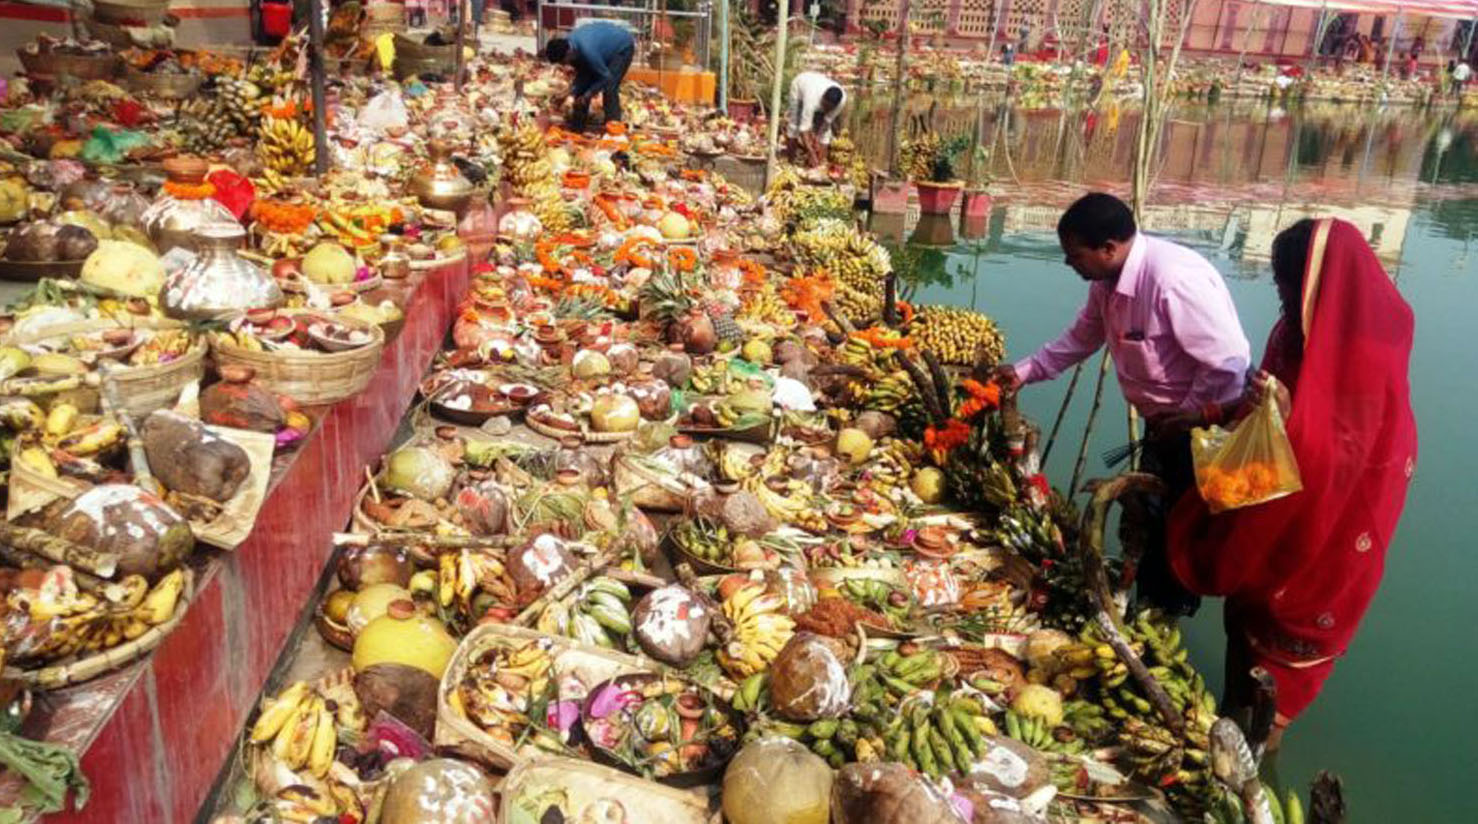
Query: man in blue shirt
601,53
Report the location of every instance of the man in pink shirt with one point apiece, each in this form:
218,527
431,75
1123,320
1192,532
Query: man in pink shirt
1172,329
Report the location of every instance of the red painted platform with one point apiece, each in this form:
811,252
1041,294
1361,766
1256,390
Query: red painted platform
154,735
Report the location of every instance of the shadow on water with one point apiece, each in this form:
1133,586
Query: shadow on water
1396,719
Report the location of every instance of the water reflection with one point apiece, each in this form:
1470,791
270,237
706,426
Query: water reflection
1229,177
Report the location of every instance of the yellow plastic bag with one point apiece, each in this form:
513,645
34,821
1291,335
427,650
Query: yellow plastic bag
1250,464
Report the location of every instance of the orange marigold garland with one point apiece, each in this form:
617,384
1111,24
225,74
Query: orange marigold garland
189,191
682,258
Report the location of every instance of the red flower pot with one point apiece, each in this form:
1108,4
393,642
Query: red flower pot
889,197
743,111
977,204
937,198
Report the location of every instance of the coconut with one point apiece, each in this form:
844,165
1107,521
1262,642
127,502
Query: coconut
589,364
877,425
777,779
808,680
671,625
420,472
854,445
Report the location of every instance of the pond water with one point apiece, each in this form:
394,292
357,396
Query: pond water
1396,720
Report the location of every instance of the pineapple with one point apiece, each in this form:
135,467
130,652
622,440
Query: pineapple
723,321
665,297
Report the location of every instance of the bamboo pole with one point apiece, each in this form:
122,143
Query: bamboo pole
1257,16
1067,399
461,41
1385,70
782,19
1103,368
903,10
316,83
723,55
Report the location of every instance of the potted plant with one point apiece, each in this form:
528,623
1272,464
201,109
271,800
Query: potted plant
977,178
930,163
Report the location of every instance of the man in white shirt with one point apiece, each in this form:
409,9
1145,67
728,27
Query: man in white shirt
815,102
1460,74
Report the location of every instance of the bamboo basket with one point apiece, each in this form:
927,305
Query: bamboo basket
592,665
81,66
70,673
310,378
142,389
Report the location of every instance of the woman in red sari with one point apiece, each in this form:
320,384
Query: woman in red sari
1299,572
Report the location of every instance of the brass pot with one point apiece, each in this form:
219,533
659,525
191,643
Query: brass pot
440,184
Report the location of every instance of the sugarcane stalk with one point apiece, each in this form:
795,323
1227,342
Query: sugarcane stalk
1082,461
838,318
890,300
401,540
566,585
113,405
86,581
31,387
941,382
926,389
59,550
1072,386
1095,523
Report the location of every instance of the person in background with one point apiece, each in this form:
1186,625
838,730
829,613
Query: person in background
1299,572
816,101
1460,74
1178,349
1008,54
600,53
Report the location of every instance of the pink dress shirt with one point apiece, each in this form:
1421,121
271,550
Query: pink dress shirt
1170,325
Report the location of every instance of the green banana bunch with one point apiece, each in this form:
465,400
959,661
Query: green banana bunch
599,614
895,604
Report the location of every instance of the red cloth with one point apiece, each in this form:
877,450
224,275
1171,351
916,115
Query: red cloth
1299,572
233,191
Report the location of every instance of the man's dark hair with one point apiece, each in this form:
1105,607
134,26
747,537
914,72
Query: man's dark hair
1095,219
556,49
831,98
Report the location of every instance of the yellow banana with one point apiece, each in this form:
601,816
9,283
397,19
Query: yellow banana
325,741
160,603
37,460
276,712
60,420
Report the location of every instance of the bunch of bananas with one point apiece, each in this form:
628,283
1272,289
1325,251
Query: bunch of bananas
860,307
285,146
902,672
796,506
888,394
497,691
1039,734
302,804
240,339
890,466
957,336
1157,753
842,154
208,121
761,629
795,203
916,158
474,580
716,378
837,246
938,734
859,352
60,434
598,614
525,157
66,621
302,726
764,305
270,75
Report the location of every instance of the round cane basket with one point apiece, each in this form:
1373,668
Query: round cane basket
311,378
87,667
80,66
141,389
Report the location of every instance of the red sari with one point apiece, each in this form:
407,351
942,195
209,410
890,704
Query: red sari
1299,572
